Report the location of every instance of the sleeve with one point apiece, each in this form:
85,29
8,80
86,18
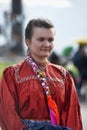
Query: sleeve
71,115
9,118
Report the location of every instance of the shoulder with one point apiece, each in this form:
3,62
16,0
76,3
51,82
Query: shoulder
60,71
10,70
57,68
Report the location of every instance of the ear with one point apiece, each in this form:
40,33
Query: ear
27,41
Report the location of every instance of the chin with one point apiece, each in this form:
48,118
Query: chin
46,55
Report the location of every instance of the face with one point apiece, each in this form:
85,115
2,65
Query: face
41,43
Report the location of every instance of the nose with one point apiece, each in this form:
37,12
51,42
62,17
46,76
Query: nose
46,43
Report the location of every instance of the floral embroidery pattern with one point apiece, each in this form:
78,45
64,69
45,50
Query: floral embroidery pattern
54,113
19,79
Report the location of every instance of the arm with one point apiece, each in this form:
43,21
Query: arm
9,118
71,115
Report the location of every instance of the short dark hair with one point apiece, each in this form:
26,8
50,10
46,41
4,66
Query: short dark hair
39,22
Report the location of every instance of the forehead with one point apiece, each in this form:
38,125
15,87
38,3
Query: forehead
43,32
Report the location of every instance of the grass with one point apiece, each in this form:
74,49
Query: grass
7,62
3,65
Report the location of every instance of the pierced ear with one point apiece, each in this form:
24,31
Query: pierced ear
27,41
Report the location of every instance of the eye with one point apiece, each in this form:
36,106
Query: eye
50,39
41,39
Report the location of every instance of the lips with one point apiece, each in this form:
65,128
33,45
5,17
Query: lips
45,49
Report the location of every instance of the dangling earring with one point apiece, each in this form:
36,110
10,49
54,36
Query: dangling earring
28,50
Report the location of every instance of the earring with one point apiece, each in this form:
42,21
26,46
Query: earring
28,50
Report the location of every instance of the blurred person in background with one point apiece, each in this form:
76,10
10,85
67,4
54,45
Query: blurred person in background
80,61
67,54
55,58
73,70
36,94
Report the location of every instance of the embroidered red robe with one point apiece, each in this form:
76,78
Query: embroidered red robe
22,97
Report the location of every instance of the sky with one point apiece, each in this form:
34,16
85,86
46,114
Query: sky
68,16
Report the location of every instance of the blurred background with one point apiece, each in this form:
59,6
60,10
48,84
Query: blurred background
70,20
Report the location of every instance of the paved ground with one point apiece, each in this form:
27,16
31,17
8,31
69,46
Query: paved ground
83,101
84,114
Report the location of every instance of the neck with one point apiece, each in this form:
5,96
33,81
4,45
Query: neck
40,61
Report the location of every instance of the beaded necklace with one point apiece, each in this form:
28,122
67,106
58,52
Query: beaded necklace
54,113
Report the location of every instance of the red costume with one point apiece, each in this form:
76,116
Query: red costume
22,97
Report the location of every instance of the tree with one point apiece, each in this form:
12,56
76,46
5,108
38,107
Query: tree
16,18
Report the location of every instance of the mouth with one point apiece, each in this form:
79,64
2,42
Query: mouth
45,49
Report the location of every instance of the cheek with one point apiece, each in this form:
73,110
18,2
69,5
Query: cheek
35,47
52,46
